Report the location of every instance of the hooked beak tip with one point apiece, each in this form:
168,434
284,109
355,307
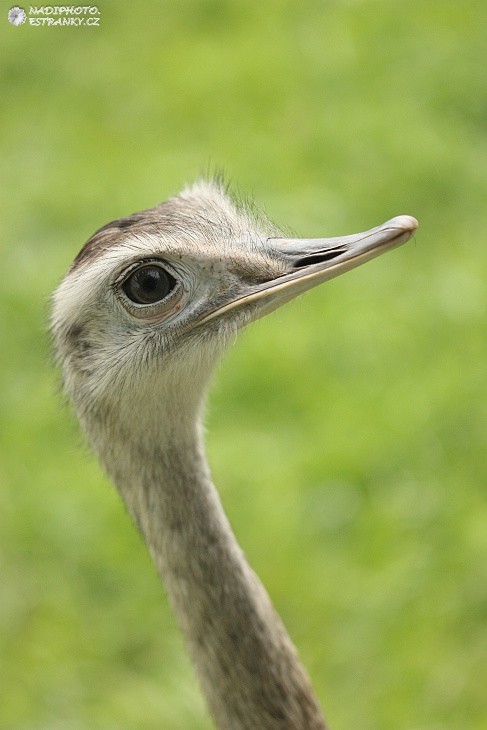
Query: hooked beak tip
406,223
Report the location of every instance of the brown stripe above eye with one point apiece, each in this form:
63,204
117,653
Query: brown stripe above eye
107,236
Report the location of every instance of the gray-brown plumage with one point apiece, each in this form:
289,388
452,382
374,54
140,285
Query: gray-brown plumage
139,322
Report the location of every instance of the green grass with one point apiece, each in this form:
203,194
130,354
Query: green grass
347,432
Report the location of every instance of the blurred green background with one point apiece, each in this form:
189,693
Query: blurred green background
347,432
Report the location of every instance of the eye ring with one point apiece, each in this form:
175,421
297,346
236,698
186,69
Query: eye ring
149,284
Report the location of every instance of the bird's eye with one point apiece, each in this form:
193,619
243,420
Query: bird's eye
148,285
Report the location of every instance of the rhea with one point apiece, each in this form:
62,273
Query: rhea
139,322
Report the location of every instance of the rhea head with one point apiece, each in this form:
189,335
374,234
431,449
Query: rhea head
153,299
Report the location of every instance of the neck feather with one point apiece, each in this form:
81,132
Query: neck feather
247,666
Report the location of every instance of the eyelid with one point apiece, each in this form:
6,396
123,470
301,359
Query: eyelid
139,264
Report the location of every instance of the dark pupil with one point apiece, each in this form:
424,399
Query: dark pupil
148,285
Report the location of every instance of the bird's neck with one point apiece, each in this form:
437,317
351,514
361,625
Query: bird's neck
246,664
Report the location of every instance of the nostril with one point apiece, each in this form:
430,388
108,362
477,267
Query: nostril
319,258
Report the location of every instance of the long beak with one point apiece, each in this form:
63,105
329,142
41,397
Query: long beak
310,261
